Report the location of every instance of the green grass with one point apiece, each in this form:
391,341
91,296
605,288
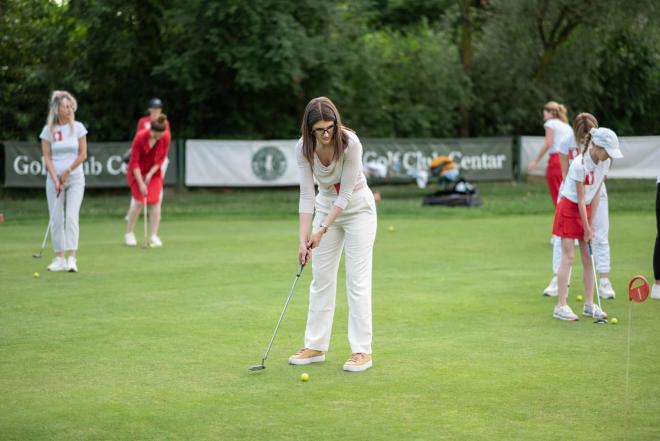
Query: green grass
155,344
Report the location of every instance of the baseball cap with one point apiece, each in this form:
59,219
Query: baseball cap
606,138
155,103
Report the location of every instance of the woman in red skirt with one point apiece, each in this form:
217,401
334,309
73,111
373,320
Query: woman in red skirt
579,198
145,177
557,131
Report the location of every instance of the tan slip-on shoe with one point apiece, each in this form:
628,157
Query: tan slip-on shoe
358,362
307,356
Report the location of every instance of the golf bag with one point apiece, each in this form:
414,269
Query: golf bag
461,194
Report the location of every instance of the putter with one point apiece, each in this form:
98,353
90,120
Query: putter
50,221
144,244
599,321
262,366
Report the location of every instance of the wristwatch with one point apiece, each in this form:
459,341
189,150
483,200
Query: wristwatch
325,228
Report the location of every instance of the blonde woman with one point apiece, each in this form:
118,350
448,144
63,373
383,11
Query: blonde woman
345,221
64,148
557,130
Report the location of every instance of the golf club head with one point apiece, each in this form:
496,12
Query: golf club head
259,367
37,256
600,321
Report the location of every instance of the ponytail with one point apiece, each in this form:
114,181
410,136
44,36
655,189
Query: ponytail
562,114
582,125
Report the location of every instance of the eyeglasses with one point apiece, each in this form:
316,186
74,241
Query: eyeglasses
321,131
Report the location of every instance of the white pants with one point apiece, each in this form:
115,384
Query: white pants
601,244
354,231
65,229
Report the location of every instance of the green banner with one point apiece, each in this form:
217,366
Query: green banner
477,158
104,167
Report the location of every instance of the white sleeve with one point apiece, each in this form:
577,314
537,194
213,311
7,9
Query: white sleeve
80,130
307,193
45,135
350,172
576,171
567,144
549,124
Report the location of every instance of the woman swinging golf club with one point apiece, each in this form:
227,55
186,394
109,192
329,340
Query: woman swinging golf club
145,177
345,220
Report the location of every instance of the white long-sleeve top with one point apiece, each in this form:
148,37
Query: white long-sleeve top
347,172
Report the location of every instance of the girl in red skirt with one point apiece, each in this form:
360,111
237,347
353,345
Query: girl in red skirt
145,177
578,199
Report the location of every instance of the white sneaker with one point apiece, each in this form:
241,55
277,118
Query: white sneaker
154,241
551,290
594,311
564,313
655,292
71,262
605,289
58,264
130,240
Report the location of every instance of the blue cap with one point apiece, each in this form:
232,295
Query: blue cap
155,103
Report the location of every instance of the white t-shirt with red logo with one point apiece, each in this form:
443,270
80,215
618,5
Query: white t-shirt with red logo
65,145
560,131
569,148
583,169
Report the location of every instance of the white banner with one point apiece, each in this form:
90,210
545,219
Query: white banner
641,157
211,163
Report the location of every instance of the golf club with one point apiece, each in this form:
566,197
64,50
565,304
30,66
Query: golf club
50,221
262,366
600,321
144,244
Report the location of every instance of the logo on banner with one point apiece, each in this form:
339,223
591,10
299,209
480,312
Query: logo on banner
269,163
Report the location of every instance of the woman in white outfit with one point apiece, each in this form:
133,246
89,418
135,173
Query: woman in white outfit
345,220
64,148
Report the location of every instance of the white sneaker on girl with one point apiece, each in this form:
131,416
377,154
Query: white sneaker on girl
565,313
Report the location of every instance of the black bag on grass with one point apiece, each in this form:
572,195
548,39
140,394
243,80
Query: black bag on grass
462,194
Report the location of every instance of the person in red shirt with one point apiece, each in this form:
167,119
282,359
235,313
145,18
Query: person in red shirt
145,177
154,110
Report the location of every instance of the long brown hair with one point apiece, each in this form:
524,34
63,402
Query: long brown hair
582,124
322,109
557,110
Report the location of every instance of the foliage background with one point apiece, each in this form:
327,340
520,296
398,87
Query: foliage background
235,68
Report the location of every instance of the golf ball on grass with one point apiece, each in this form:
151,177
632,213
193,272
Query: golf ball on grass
304,376
35,275
390,228
614,321
579,298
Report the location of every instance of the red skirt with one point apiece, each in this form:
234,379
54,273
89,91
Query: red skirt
553,176
568,223
154,189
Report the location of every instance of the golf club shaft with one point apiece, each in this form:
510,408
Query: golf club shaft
286,304
145,222
593,267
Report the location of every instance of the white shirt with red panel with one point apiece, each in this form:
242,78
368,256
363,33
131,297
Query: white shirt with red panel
583,169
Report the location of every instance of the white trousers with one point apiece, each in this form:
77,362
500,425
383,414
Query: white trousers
354,231
601,244
65,228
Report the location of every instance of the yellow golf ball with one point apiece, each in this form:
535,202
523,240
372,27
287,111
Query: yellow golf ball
304,377
614,321
35,275
579,298
390,228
